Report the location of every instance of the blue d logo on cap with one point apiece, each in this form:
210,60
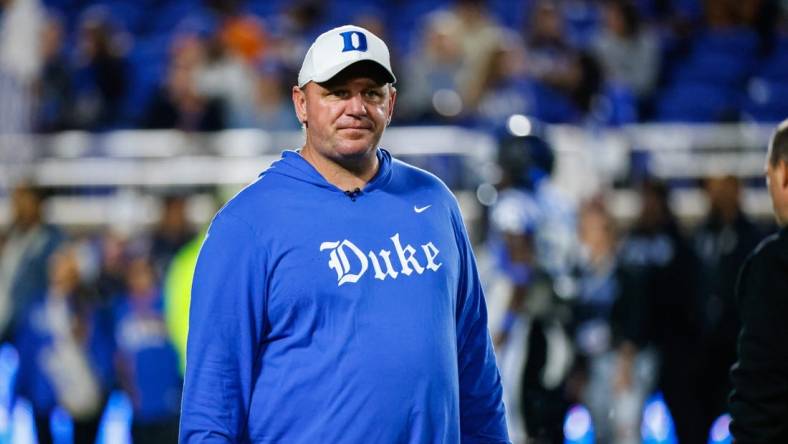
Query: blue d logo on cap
359,45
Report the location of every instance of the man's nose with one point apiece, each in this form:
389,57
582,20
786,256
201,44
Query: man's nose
356,105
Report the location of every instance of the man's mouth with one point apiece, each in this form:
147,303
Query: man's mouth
353,131
357,128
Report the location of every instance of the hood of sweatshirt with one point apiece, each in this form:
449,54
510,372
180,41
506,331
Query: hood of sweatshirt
292,165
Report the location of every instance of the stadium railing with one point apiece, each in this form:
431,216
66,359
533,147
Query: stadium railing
114,178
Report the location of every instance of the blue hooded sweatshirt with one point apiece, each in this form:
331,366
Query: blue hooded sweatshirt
324,316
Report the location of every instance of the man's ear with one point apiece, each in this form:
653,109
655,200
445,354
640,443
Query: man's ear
299,103
392,101
782,173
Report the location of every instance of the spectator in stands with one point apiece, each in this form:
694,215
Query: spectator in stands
172,232
532,331
21,23
112,263
506,91
611,375
722,241
374,19
293,30
585,83
177,295
781,22
730,14
28,245
759,401
549,56
527,164
226,78
65,351
573,79
479,37
176,289
446,81
664,298
628,53
53,89
179,104
528,231
273,110
100,74
431,77
147,364
241,35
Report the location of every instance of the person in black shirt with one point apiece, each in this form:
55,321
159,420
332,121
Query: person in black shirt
759,401
722,242
178,103
100,80
662,307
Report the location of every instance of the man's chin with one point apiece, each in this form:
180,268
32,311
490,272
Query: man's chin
356,146
358,151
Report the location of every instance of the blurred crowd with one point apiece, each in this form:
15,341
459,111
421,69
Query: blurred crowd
583,309
93,312
204,65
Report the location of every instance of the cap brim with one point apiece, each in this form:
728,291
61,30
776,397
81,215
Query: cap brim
382,72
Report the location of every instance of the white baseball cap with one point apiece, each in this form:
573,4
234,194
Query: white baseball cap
338,48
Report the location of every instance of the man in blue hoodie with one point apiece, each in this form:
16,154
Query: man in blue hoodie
336,299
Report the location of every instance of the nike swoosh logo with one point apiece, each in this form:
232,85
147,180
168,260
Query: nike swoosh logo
421,209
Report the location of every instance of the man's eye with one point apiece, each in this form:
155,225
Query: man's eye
341,93
374,94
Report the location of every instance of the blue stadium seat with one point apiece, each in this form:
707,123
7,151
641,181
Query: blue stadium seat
736,42
509,13
176,13
148,63
766,101
342,12
697,103
616,106
127,15
647,9
264,8
402,21
715,68
775,67
689,9
781,47
551,106
582,23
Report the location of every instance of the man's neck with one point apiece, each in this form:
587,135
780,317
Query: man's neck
345,175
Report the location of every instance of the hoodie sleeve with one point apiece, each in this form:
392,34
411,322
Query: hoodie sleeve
226,323
482,415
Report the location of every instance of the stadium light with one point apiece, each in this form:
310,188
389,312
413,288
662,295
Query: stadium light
519,125
447,102
720,431
578,427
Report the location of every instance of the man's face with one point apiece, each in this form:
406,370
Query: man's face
723,193
345,116
26,207
64,269
774,182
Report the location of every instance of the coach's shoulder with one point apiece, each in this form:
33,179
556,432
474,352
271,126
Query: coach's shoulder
768,261
772,248
246,205
415,178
